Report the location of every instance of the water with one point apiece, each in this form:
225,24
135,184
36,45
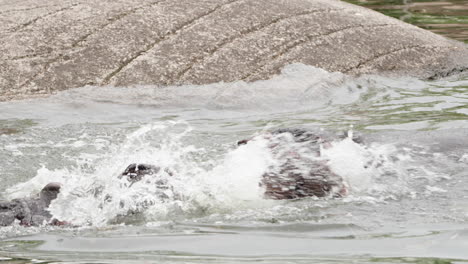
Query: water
407,200
448,18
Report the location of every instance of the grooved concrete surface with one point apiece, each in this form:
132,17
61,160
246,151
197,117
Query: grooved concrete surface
52,45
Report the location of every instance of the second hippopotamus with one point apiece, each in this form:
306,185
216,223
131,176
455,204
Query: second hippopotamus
295,176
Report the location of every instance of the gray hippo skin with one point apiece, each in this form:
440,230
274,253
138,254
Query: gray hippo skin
299,176
135,172
52,45
30,211
288,181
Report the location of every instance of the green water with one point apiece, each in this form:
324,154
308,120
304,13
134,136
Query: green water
448,18
413,210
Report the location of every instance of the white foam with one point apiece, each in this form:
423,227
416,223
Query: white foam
225,182
300,94
97,196
35,185
204,183
368,170
299,87
434,189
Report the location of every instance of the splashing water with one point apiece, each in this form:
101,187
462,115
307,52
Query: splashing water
406,179
198,185
99,196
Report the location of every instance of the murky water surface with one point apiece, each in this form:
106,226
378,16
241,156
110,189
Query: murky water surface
445,17
407,200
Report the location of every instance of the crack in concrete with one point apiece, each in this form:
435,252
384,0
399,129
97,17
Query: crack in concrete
113,20
11,3
114,43
80,40
28,56
306,39
106,80
26,9
83,38
22,26
381,55
244,33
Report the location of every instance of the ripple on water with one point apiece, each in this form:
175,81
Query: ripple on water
407,180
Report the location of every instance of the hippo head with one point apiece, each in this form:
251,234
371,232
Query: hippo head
50,192
135,172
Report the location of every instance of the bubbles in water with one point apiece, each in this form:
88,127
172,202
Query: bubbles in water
99,196
193,182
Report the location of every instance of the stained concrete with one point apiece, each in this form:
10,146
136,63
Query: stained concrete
52,45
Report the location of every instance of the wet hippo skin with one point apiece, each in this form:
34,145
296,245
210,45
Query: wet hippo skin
134,172
30,211
52,45
296,177
299,176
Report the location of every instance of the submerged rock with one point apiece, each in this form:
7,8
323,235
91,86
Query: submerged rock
54,45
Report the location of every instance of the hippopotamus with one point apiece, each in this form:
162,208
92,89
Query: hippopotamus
135,172
30,211
296,176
